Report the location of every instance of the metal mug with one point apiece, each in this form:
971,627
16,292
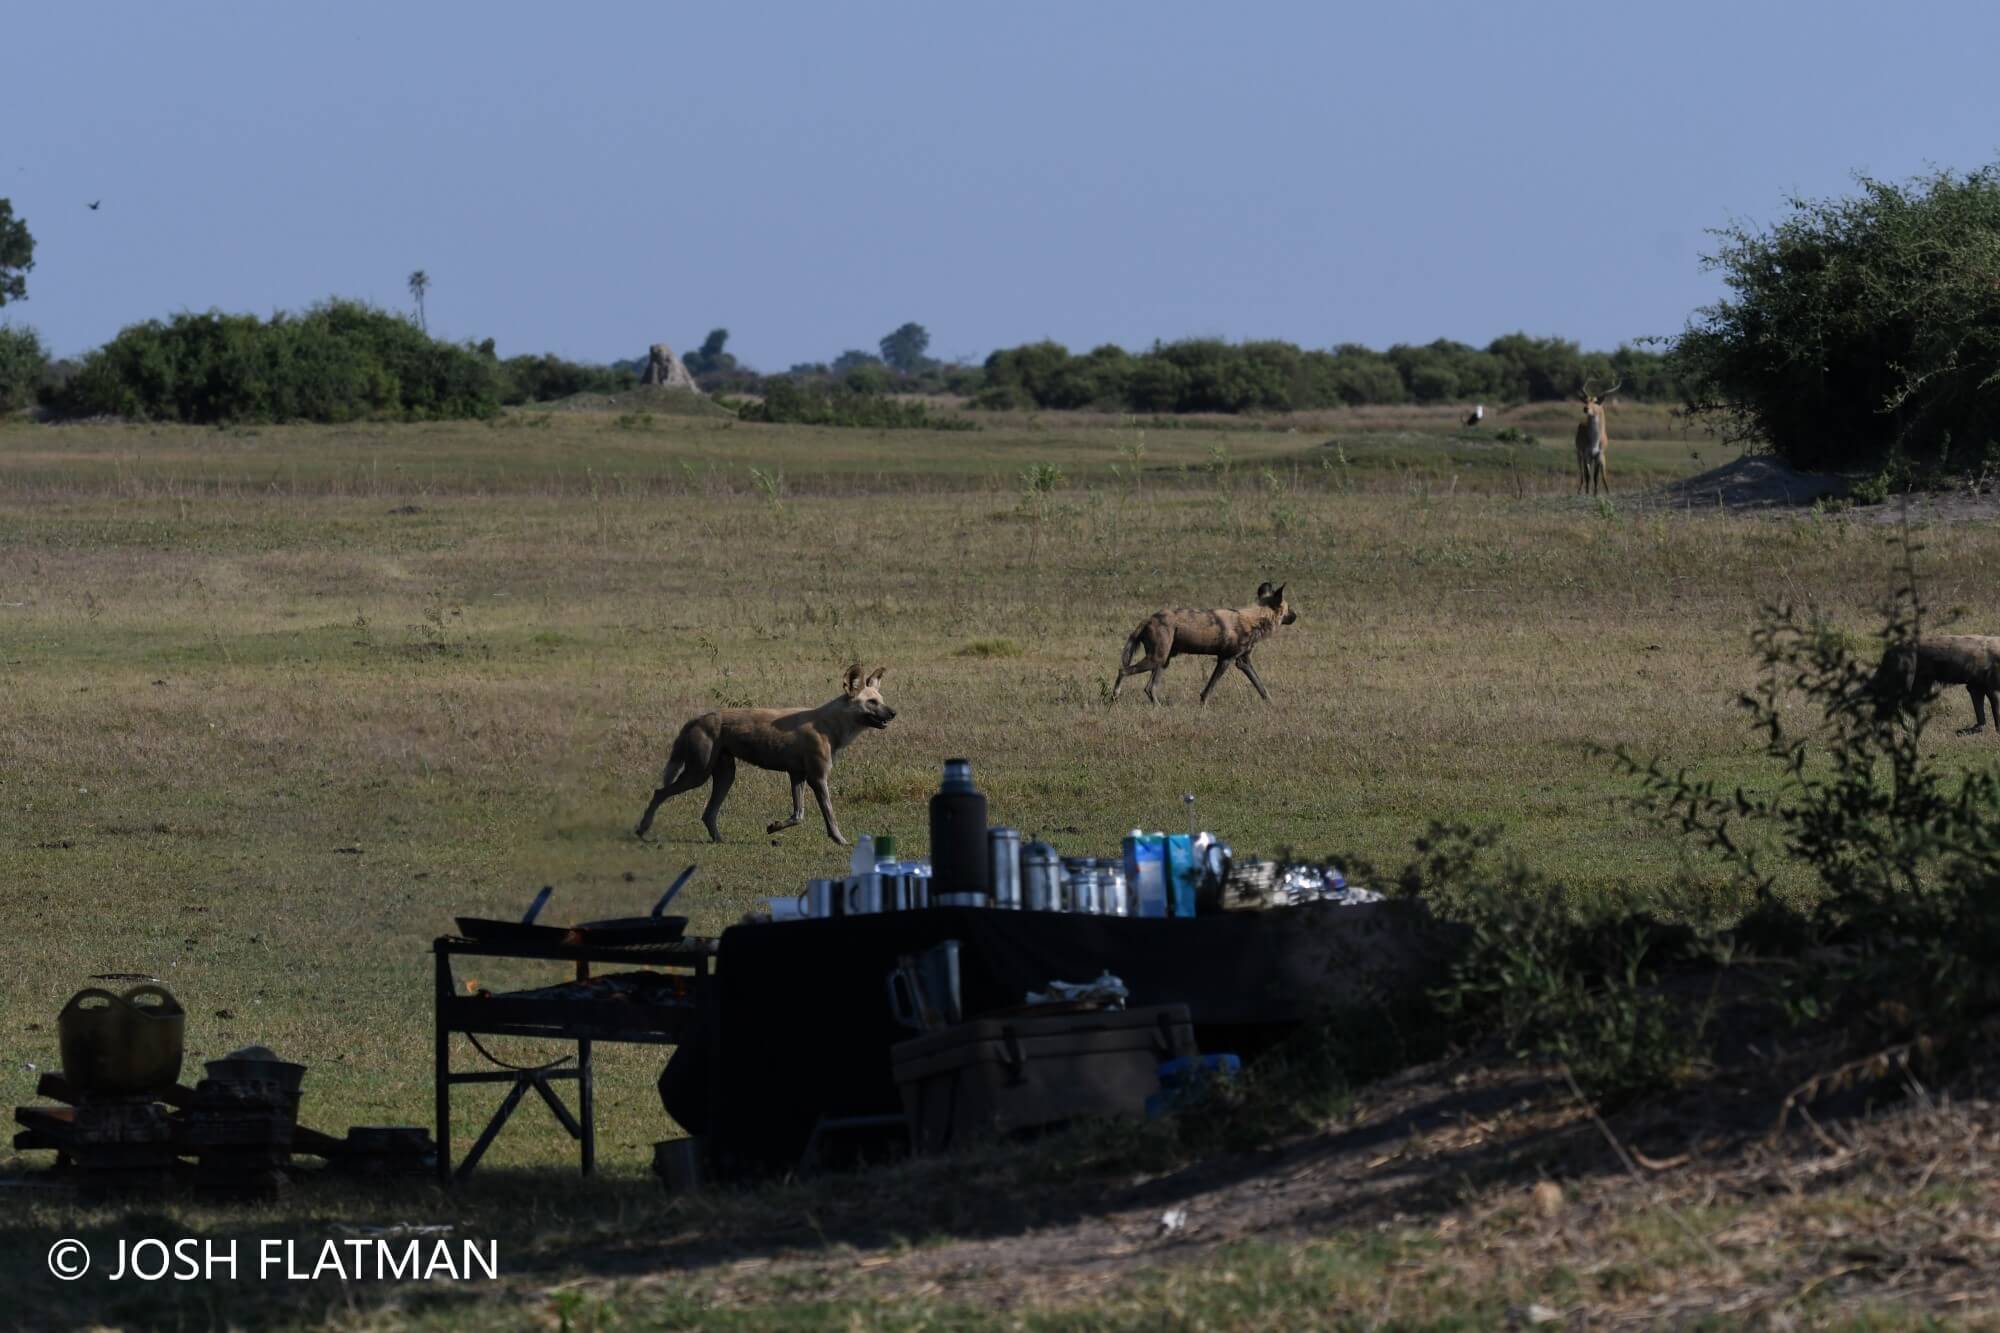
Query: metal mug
861,895
820,898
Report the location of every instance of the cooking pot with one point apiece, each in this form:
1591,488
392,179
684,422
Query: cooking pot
115,1045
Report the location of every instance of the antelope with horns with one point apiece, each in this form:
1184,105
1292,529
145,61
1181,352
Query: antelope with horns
1592,442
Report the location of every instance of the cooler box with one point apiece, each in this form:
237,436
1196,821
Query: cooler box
993,1076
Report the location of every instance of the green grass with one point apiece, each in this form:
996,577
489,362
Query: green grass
224,655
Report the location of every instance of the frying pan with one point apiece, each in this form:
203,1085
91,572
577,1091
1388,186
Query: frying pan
524,931
654,929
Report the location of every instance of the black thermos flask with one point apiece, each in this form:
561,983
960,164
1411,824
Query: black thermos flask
958,834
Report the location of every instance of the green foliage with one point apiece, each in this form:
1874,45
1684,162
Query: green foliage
711,362
1899,940
340,361
851,402
17,254
23,362
851,358
542,379
1554,983
420,285
1859,327
904,349
1209,375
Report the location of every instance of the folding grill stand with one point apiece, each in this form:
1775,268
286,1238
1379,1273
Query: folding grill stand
582,1021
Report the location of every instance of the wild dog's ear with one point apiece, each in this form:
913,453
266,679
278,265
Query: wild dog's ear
853,680
1280,593
1264,588
875,675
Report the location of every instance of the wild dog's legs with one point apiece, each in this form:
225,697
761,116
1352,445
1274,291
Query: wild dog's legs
1221,665
825,800
679,777
798,809
1243,665
724,773
1124,667
1118,681
1159,668
1979,713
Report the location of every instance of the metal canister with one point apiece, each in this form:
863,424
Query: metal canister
1113,897
1080,885
1003,859
902,892
821,898
1041,878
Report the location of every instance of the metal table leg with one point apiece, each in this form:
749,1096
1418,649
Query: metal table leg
442,1070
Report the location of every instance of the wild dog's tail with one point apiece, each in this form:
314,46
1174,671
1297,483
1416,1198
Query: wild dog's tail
1132,643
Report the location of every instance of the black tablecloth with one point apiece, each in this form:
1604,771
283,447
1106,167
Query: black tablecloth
796,1022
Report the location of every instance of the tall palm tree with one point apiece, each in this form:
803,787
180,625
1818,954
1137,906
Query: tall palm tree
420,282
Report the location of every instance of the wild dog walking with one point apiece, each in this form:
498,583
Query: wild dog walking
1227,636
1592,442
1973,660
798,741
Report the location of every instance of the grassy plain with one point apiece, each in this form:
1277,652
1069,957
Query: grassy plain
276,703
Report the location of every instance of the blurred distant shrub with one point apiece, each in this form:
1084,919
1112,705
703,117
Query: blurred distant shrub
23,362
340,361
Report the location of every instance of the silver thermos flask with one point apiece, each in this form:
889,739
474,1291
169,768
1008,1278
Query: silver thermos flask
1041,878
1003,856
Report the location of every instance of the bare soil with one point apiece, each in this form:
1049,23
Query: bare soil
1723,1202
1759,483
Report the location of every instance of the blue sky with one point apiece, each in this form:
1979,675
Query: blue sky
591,178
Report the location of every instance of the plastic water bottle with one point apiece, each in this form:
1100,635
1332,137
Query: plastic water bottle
862,861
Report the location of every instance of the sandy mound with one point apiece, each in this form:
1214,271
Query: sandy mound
1754,481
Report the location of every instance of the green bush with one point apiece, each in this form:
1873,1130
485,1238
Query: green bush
340,361
1896,943
542,379
1554,982
23,363
1859,327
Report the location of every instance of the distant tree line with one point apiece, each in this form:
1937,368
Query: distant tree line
1210,375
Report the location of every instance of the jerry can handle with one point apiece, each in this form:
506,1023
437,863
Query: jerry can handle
90,993
167,1008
